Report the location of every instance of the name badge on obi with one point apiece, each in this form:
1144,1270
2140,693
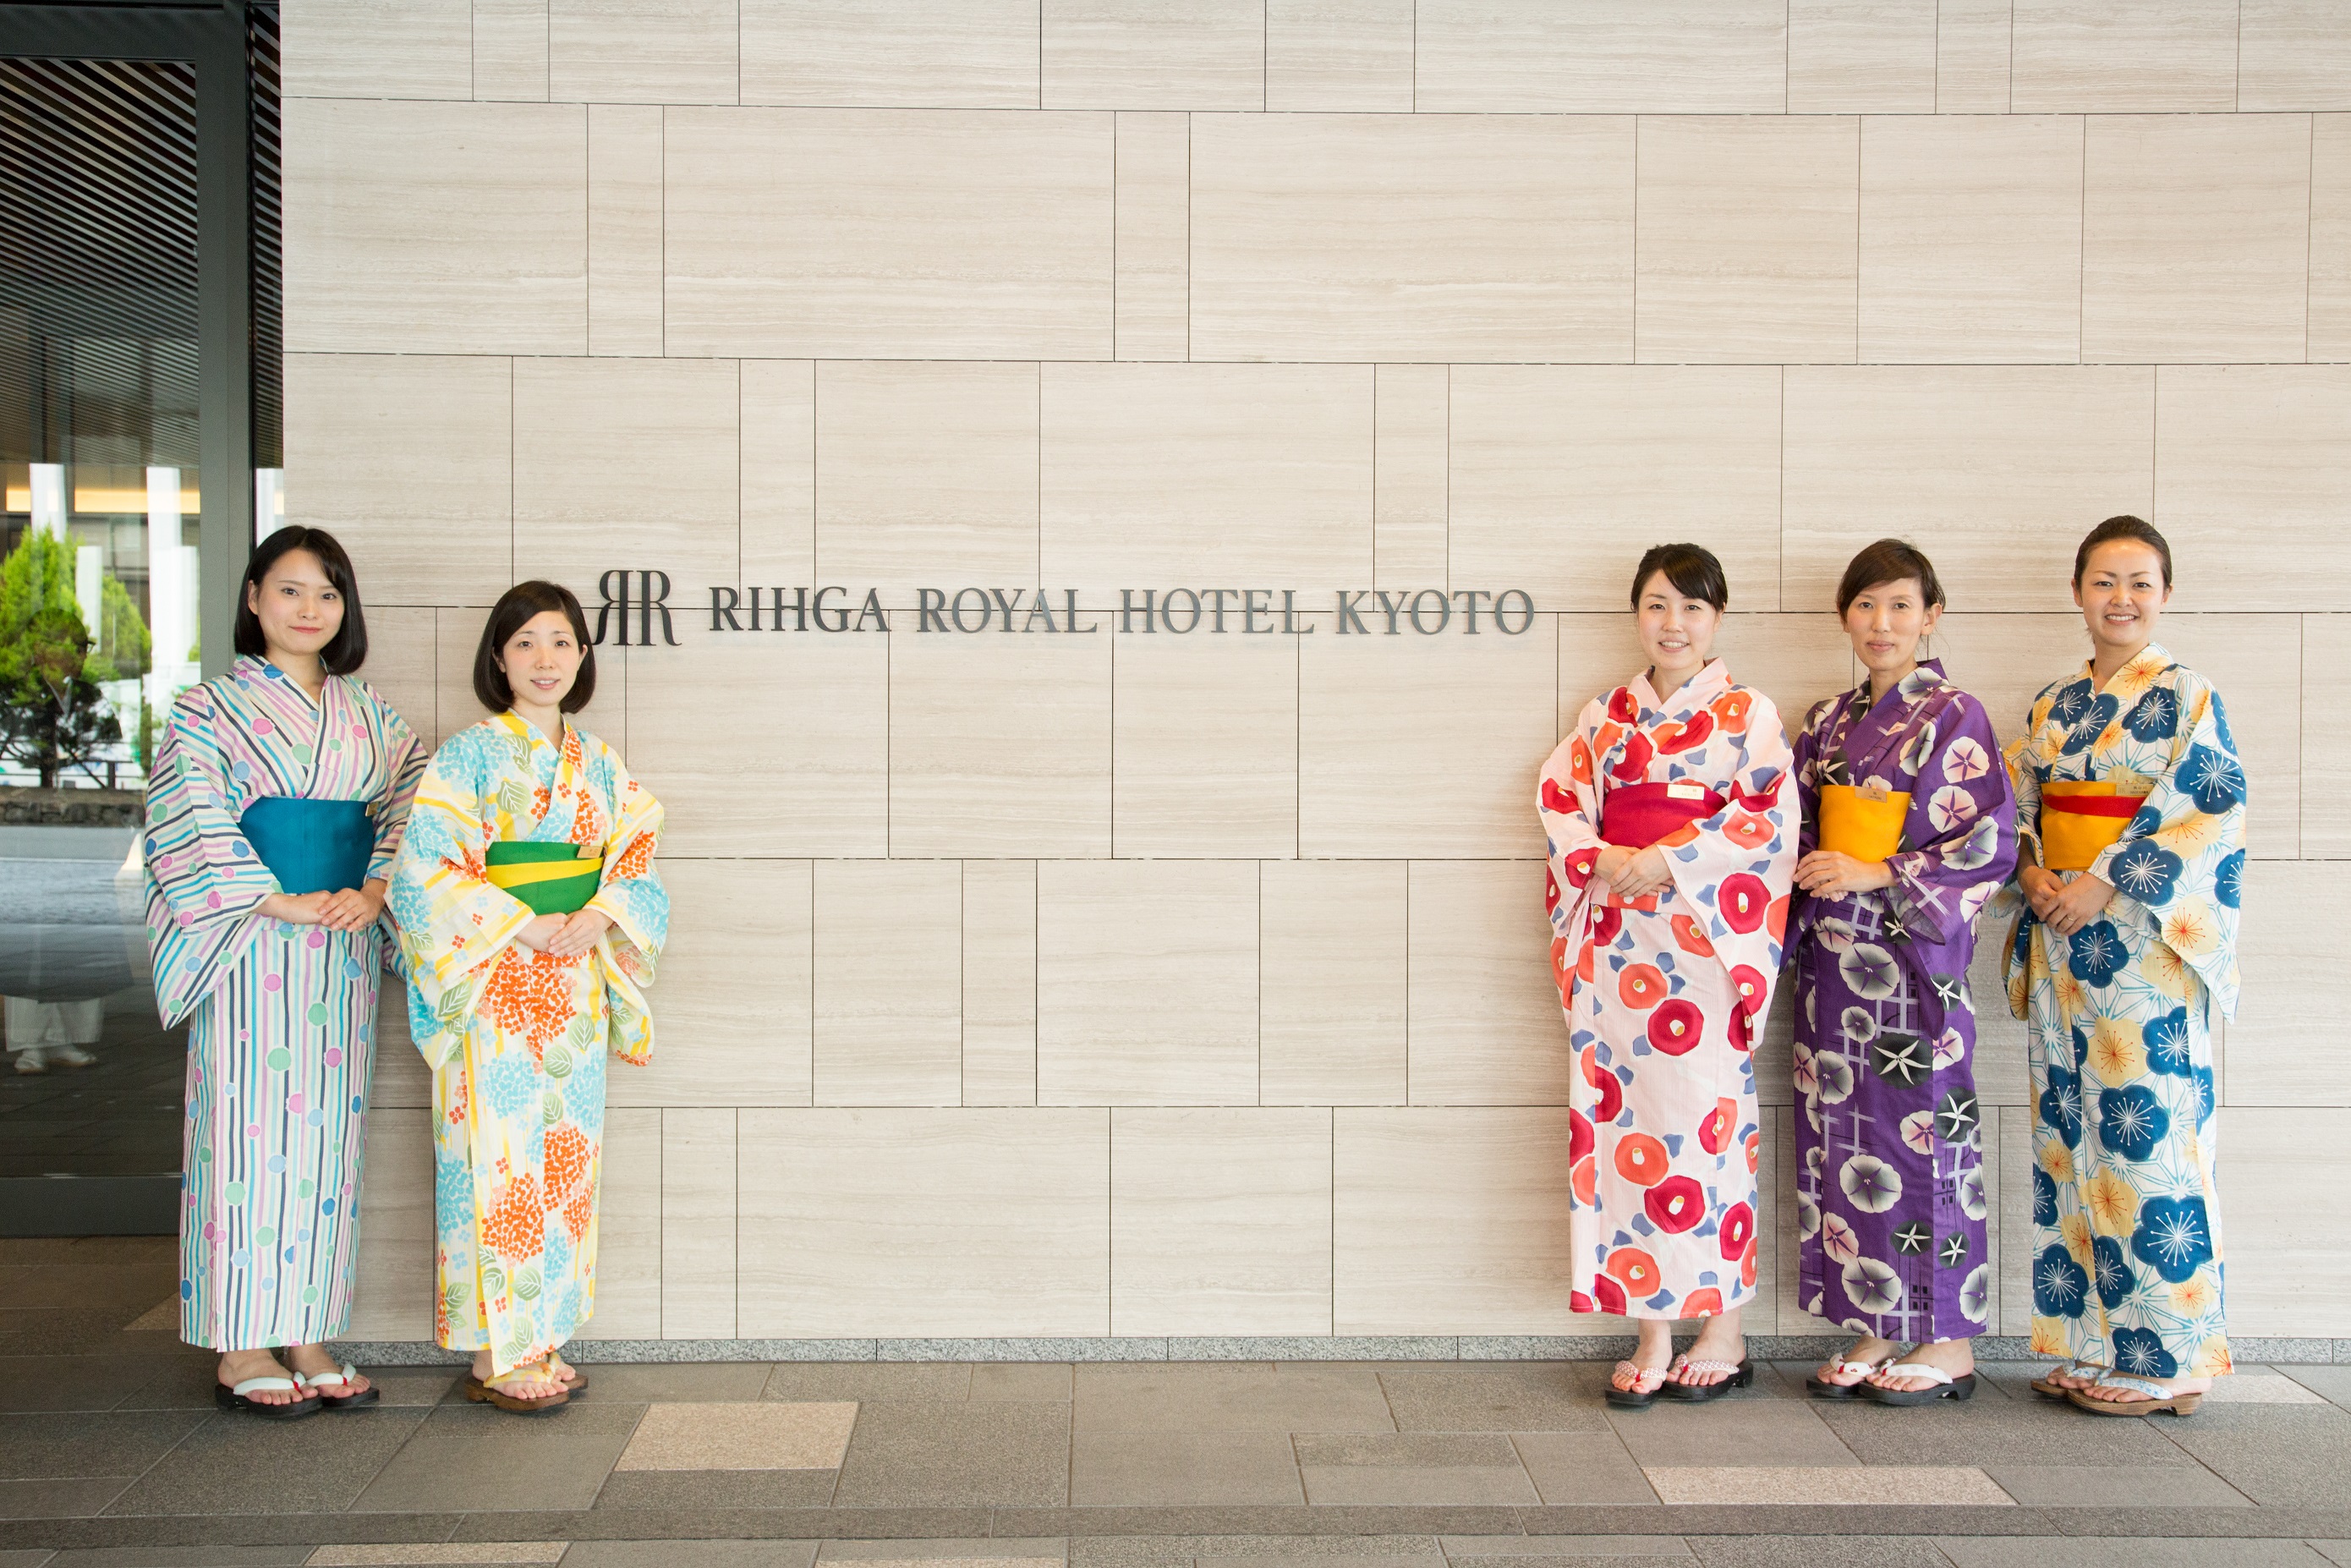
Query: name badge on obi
1685,790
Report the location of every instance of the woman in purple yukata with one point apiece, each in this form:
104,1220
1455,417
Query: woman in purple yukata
1909,828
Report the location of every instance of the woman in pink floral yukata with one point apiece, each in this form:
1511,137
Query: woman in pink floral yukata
1671,816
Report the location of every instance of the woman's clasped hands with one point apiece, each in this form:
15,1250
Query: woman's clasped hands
565,936
1630,872
1829,874
352,909
2063,906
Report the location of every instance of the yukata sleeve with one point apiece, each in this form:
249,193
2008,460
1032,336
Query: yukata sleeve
1567,803
1807,765
204,882
405,760
630,893
454,923
2024,776
1741,862
2182,858
1962,828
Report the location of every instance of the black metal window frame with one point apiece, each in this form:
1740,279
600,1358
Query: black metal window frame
213,39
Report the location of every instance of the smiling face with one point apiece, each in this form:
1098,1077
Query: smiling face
1676,630
298,606
1886,621
541,660
2122,593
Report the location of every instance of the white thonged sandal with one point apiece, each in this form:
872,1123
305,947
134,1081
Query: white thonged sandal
1636,1397
232,1398
1945,1385
2159,1400
319,1382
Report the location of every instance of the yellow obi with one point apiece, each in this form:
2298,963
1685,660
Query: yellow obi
2080,820
1862,822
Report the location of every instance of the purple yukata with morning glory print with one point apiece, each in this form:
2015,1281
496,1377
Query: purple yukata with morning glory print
281,1019
2126,1262
1889,1175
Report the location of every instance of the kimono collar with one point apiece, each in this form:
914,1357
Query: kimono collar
1909,688
1712,679
2134,676
515,724
254,670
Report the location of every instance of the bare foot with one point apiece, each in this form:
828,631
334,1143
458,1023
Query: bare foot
1869,1350
1719,1341
1955,1356
531,1380
1648,1361
565,1373
310,1360
2108,1393
2066,1377
236,1366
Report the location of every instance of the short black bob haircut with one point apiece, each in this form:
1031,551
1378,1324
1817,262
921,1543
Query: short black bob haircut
1889,561
346,650
515,610
2124,527
1691,569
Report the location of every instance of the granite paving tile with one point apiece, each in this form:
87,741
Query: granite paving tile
1583,1468
74,1382
722,1524
1691,1520
1783,1431
1178,1551
1159,1468
2332,1383
2275,1454
897,1381
690,1554
1530,1396
2261,1387
1817,1552
1465,1548
1376,1468
113,1531
26,1559
1199,1397
40,1446
717,1489
73,1497
2030,1431
763,1435
240,1464
1045,1382
963,1553
2116,1486
933,1454
2125,1551
473,1458
2335,1551
124,1290
414,1385
1819,1485
677,1383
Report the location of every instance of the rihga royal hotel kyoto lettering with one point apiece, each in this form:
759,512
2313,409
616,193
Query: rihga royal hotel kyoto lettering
1368,613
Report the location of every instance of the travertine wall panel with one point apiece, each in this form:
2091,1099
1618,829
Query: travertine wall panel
1036,974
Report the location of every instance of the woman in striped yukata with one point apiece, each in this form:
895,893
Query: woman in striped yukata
278,796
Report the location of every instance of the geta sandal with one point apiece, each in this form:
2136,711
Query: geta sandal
232,1398
319,1382
1821,1388
2159,1400
2048,1390
1946,1387
1636,1397
487,1390
1739,1374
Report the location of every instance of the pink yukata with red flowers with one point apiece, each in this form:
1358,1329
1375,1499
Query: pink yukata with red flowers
1665,994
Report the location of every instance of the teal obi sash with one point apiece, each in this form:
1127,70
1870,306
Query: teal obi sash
312,846
550,878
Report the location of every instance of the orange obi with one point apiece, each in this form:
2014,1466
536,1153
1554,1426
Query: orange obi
2080,820
1864,823
1639,815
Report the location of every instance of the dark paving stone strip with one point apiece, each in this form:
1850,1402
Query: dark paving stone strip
2210,1523
227,1530
1293,1520
1773,1519
1817,1552
729,1524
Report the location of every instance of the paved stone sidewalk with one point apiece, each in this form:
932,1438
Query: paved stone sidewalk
112,1453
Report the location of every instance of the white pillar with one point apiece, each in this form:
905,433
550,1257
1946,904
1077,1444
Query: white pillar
170,590
268,502
87,569
50,498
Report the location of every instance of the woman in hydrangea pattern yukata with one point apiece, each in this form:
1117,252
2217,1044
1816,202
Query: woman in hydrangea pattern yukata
516,992
1669,812
2131,818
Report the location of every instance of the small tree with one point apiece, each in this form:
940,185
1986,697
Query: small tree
52,714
